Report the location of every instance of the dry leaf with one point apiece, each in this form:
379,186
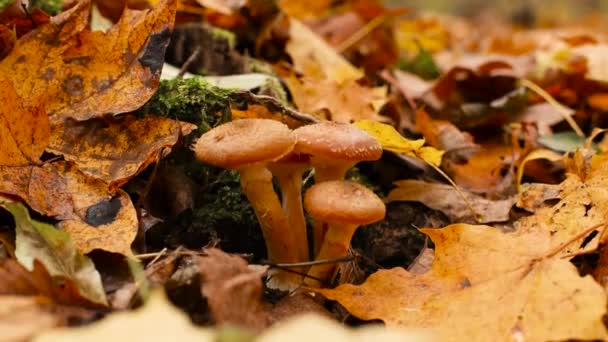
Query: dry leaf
312,56
24,126
233,291
446,199
476,290
84,74
443,135
23,317
54,249
115,150
103,219
157,321
33,184
348,102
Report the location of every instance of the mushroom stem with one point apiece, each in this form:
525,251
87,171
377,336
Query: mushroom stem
326,170
336,244
290,182
256,181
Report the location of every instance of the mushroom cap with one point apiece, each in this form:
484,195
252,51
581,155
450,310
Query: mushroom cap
336,140
343,201
242,142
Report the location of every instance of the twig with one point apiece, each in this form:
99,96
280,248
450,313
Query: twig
346,258
273,104
361,33
188,62
576,237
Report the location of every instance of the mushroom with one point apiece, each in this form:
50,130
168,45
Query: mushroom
248,145
344,206
334,148
288,171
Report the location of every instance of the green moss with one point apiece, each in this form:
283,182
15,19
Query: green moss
192,100
51,7
221,34
422,65
4,3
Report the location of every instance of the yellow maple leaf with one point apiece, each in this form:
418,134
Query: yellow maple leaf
392,141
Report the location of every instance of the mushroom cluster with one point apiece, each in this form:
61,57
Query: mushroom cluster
263,149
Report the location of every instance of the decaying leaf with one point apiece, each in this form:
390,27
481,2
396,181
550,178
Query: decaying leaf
157,320
115,150
315,58
448,200
349,101
508,289
24,126
54,249
33,184
233,291
84,74
103,219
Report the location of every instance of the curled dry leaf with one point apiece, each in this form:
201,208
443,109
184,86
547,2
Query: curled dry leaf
23,317
115,150
233,291
24,126
54,249
446,199
483,291
83,74
103,219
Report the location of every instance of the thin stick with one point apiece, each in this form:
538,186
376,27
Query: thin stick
361,33
458,190
576,237
188,62
346,258
273,104
562,110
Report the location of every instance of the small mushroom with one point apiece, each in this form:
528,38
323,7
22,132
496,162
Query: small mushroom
334,148
344,206
288,171
248,145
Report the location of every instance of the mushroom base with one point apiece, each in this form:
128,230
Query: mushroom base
335,245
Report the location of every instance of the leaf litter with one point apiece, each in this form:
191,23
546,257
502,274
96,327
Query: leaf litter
107,212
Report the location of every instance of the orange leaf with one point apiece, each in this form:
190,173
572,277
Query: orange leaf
84,74
24,127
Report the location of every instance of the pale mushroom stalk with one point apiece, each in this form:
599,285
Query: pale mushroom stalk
336,244
289,178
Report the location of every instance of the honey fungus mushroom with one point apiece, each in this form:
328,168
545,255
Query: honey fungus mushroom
334,148
248,145
344,206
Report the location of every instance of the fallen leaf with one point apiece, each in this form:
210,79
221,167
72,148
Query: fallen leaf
392,141
316,328
84,74
448,200
562,142
54,249
16,280
349,101
103,219
444,136
532,196
158,320
21,318
24,127
233,291
313,57
300,9
32,184
499,291
534,155
115,150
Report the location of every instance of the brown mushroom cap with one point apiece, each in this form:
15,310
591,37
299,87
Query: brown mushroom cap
343,201
243,142
337,141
